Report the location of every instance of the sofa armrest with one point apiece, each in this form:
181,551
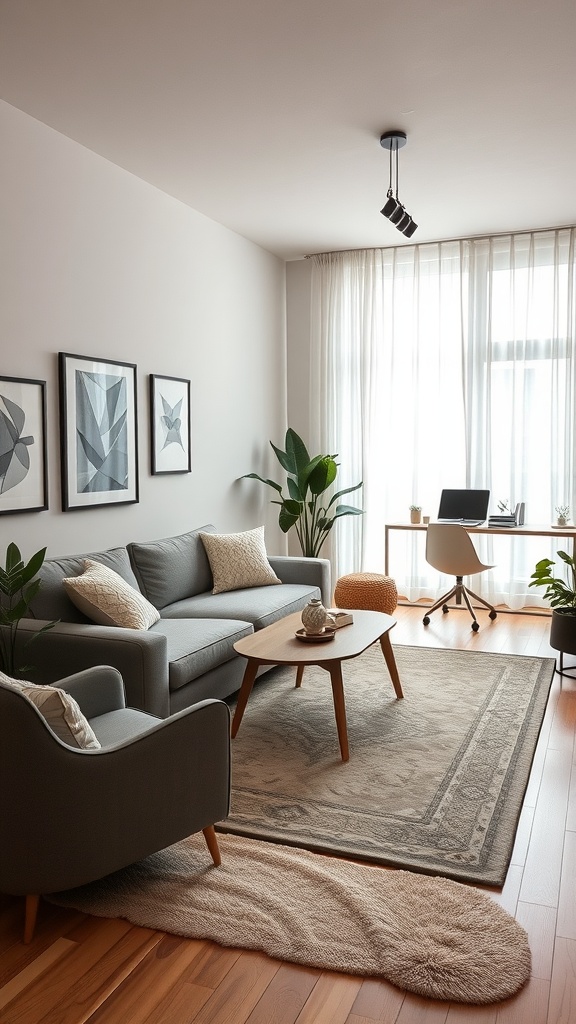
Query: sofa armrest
297,569
140,656
97,690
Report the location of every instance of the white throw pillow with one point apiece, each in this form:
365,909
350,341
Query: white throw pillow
103,596
60,711
238,560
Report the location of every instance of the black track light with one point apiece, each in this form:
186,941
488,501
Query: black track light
393,209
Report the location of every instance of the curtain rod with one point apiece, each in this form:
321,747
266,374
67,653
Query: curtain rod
438,241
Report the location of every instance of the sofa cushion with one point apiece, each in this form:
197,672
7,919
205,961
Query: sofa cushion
60,710
238,560
52,601
107,599
196,646
258,605
169,570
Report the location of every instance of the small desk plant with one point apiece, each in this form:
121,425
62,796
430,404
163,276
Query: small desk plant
562,515
562,597
415,513
18,588
308,479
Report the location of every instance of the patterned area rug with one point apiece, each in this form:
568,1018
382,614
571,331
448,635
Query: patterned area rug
434,783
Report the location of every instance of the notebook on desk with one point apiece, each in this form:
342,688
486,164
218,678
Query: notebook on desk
467,507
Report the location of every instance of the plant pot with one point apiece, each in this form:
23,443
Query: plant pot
563,630
415,516
561,521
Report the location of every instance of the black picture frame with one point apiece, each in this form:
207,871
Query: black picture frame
23,450
170,433
98,432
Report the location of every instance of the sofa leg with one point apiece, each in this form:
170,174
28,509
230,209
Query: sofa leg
212,844
30,914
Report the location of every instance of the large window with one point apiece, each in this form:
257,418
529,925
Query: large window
449,365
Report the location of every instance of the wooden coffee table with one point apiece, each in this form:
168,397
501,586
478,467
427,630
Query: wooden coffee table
277,645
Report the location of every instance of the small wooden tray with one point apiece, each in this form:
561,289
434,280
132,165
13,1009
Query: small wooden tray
315,638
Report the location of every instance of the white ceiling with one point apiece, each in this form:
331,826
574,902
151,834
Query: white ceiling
266,115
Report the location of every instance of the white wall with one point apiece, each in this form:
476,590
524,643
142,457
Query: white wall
97,262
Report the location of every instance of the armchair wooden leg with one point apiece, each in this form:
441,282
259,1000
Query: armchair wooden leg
30,914
212,844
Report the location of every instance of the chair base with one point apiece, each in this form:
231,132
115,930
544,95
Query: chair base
459,592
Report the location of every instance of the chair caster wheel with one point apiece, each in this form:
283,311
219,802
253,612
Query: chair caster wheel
445,609
475,627
492,615
426,620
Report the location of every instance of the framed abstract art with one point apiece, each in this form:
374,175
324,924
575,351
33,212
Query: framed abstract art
23,462
170,424
98,432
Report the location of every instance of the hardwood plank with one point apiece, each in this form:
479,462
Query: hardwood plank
212,965
507,897
562,1008
139,994
83,978
540,925
379,1001
416,1010
331,1000
461,1013
566,926
541,880
529,1006
179,1006
238,993
571,815
285,996
33,971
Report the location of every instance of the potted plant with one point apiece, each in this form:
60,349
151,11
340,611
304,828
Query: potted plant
415,513
562,515
562,597
18,588
307,482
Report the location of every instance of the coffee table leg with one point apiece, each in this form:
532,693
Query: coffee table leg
391,663
245,691
299,674
335,670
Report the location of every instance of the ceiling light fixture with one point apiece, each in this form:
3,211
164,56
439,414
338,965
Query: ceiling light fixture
393,208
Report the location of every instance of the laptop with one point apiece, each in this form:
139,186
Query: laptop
466,506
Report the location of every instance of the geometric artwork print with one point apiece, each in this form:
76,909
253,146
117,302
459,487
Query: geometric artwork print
101,432
170,423
14,455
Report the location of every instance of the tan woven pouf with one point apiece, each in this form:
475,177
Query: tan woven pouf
368,590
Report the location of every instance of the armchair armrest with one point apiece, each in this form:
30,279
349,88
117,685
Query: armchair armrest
315,572
140,656
97,690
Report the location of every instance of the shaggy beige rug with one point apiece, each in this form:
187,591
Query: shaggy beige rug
438,938
435,782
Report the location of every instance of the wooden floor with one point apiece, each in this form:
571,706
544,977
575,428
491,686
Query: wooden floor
108,972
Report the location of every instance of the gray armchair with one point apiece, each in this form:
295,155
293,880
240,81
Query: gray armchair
70,816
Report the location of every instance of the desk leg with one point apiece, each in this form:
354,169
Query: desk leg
335,670
245,691
391,663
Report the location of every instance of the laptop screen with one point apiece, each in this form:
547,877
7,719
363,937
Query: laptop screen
464,504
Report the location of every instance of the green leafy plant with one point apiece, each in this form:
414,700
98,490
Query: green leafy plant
307,481
414,508
18,588
562,511
562,595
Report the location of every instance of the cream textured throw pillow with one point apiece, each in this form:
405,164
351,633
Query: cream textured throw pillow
238,560
60,711
107,599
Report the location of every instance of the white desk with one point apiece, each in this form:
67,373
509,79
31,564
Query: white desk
561,535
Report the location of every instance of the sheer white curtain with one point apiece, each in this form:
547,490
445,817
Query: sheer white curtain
447,365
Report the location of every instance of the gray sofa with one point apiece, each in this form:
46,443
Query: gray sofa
186,656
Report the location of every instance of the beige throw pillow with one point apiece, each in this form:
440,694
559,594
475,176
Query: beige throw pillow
238,560
103,596
60,711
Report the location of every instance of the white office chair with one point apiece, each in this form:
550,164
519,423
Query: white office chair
449,548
